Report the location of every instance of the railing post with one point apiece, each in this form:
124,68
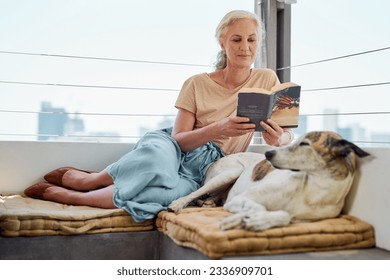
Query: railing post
275,46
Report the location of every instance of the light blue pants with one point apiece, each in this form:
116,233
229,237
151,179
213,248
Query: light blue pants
156,172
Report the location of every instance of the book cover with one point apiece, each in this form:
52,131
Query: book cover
281,104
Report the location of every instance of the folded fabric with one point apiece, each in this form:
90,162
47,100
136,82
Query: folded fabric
156,172
23,216
198,228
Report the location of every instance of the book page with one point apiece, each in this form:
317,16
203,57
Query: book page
283,86
285,109
255,90
273,89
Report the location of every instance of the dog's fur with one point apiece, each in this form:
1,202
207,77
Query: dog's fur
306,181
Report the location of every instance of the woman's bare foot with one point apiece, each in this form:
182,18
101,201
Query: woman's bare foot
101,198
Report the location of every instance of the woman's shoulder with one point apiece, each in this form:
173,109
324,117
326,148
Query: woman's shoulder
265,75
197,80
198,77
263,72
264,78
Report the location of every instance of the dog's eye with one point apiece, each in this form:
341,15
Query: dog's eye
303,144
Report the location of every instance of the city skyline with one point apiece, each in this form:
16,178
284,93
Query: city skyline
58,126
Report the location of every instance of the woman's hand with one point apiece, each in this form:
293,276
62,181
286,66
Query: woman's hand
189,138
274,135
231,127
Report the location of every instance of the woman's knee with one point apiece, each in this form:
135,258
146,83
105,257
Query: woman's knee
101,179
102,198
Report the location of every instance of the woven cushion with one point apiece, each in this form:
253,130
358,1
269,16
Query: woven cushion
23,216
198,228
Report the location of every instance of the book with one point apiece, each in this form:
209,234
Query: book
281,104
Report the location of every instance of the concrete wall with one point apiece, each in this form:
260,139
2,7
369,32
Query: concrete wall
24,163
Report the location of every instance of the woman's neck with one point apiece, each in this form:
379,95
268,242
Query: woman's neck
234,77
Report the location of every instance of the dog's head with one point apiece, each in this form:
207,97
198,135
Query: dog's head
318,151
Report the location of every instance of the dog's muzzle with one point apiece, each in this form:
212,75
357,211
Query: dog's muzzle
269,155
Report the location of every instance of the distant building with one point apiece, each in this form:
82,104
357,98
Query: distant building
166,122
51,121
74,126
381,139
54,123
302,126
345,132
353,132
330,121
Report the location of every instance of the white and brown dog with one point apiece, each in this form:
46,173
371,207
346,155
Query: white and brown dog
306,181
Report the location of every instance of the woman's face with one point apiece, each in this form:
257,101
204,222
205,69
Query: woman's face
240,43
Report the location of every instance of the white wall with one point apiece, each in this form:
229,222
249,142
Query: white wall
24,163
369,198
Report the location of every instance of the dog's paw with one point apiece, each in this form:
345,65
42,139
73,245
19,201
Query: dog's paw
265,220
234,221
178,205
208,203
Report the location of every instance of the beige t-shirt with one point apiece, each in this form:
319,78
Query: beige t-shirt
210,102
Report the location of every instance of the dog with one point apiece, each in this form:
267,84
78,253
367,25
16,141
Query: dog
305,181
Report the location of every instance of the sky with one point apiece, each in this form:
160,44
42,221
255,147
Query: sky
339,28
176,31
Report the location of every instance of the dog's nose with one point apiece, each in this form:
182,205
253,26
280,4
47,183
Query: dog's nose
270,154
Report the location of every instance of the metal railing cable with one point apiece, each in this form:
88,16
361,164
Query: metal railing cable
104,59
347,86
80,136
182,64
173,115
333,58
169,89
87,113
87,86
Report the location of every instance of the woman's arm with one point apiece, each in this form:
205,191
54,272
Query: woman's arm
184,134
190,138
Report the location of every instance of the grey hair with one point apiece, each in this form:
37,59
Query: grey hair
221,31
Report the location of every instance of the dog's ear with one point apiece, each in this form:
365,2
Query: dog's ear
345,147
261,170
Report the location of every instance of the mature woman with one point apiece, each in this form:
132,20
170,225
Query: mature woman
167,164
